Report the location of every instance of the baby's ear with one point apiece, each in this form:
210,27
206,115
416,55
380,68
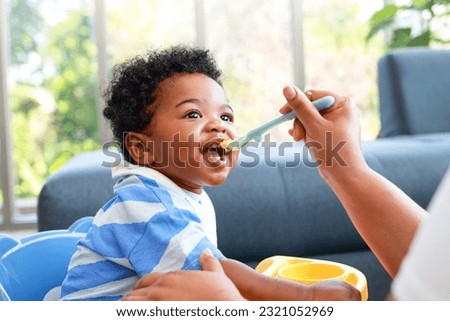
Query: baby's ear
140,148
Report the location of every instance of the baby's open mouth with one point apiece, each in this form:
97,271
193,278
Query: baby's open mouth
214,152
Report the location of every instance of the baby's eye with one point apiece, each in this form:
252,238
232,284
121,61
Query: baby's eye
193,114
227,118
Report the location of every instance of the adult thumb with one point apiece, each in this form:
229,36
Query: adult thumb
209,262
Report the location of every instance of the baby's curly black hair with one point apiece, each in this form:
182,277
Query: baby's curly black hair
133,86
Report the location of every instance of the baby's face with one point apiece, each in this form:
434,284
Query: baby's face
192,117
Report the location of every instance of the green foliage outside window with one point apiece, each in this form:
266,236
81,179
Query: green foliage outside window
54,105
431,13
73,84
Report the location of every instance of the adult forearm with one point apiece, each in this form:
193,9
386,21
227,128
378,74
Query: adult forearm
385,216
258,287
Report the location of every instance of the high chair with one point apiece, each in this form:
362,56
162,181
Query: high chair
33,268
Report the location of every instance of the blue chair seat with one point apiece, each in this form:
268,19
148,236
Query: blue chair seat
35,265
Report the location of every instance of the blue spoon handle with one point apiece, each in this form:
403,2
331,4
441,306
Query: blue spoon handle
256,134
321,104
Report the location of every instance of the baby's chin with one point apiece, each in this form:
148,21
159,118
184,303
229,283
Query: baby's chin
217,179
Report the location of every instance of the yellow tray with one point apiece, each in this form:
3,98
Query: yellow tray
309,271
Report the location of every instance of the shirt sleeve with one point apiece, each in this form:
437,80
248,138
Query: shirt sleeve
424,273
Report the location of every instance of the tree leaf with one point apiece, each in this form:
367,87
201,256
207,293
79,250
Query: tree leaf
400,38
381,19
422,40
387,13
444,2
374,29
420,4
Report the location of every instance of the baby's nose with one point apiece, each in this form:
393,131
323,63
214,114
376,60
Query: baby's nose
217,125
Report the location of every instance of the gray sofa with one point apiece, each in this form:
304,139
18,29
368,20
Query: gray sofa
275,202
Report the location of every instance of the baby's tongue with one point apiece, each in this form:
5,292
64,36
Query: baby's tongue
213,155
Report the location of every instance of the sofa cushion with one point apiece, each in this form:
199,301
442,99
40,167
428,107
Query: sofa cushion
266,210
414,91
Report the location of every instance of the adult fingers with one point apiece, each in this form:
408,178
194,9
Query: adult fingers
339,101
298,131
209,262
140,295
299,102
147,280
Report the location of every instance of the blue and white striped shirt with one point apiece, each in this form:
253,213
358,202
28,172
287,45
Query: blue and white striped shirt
150,225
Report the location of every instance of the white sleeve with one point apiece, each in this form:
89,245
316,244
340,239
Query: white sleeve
425,271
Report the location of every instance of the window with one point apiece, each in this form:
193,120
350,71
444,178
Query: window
135,25
256,56
337,57
52,92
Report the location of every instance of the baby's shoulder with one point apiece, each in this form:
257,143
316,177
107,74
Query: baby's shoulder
137,188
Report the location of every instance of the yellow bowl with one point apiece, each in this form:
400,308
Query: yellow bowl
310,271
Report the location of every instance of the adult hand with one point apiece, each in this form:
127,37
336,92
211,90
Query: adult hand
211,284
335,290
332,135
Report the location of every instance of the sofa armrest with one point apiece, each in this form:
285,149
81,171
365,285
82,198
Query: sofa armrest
80,188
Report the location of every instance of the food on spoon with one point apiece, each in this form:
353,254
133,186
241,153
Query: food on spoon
224,144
